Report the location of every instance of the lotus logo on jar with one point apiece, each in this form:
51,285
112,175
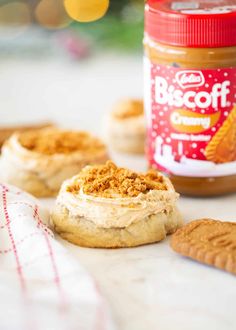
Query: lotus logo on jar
190,78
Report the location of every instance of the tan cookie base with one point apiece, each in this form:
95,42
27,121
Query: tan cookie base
32,184
37,182
85,233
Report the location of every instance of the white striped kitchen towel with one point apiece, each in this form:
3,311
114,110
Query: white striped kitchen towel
41,286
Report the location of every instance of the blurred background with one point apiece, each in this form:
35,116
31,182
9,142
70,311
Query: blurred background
55,67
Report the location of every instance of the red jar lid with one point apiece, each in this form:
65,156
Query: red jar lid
188,23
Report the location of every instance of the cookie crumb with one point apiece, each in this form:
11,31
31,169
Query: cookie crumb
54,141
111,181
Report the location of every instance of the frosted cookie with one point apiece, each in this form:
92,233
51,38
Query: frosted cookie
126,127
39,161
105,206
209,241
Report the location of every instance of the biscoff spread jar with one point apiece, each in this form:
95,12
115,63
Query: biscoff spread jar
190,93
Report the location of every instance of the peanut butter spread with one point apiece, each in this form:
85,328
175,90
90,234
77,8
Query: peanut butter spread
109,180
53,141
128,109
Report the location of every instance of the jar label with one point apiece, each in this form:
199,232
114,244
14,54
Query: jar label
191,120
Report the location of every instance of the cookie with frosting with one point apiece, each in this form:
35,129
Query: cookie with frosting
106,206
38,161
126,127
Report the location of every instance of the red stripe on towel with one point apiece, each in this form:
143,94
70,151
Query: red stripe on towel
57,279
8,224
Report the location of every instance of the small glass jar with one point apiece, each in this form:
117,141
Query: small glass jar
190,94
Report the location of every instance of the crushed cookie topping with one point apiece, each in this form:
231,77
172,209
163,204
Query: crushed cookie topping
128,109
53,141
111,181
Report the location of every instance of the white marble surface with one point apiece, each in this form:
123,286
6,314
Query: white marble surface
150,287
